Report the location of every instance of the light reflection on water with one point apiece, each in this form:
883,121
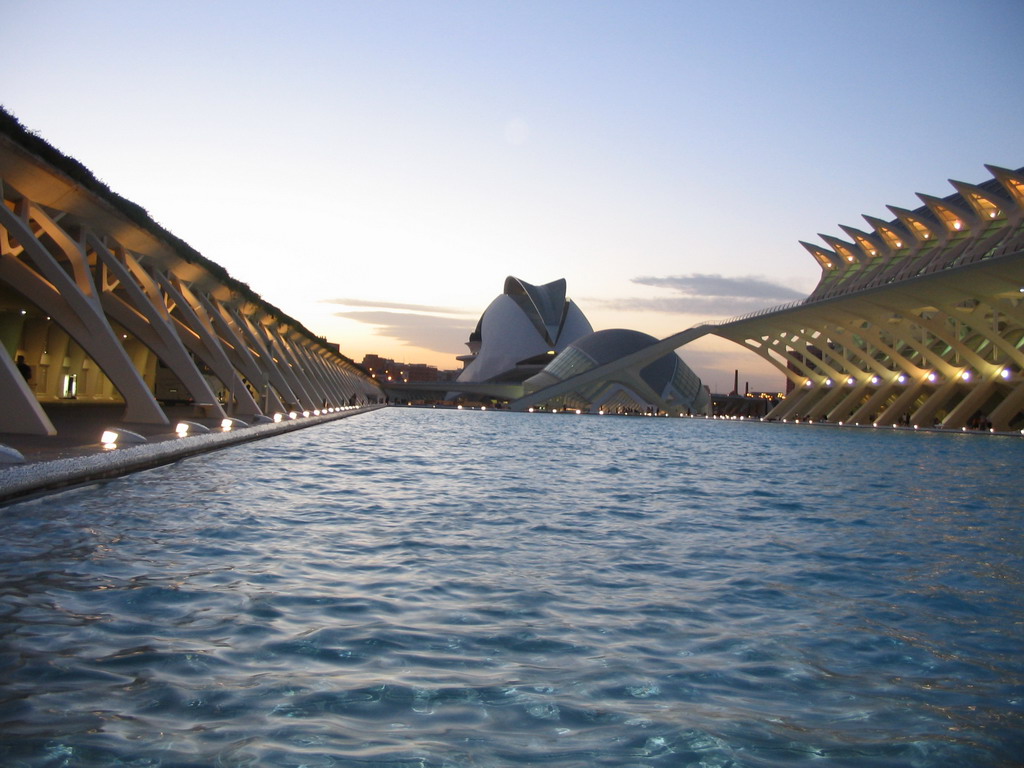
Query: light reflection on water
429,588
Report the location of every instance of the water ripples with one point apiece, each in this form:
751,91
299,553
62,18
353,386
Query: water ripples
421,588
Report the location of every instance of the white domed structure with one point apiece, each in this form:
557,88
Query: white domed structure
521,331
533,347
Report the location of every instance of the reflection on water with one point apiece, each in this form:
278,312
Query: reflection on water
423,588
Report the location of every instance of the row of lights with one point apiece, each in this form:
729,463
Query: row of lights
932,377
876,425
279,417
726,418
115,436
602,412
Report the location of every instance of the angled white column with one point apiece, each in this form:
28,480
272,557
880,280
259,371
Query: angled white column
145,315
72,302
198,335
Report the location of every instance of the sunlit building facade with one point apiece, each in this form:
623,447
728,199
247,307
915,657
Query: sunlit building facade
917,320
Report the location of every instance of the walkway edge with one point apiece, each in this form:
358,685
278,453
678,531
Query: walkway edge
24,481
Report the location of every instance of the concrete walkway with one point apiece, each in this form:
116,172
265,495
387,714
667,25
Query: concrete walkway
75,455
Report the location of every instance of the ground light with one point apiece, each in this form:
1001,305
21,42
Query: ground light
185,428
115,436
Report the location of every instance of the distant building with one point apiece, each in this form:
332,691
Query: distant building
665,385
520,331
385,370
532,343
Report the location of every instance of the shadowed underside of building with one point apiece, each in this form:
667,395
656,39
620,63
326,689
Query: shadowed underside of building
99,304
919,321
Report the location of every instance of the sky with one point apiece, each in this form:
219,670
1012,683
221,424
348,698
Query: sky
376,169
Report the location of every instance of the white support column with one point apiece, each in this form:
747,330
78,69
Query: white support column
21,413
796,401
302,369
314,365
291,368
867,411
147,318
962,413
198,335
281,364
236,348
330,372
279,390
1011,406
926,414
72,303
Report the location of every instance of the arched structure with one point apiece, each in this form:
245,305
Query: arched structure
665,384
919,321
100,304
533,347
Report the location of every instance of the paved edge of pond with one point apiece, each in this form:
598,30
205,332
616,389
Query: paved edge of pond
19,482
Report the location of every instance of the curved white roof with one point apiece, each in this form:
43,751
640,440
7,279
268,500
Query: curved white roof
666,383
525,322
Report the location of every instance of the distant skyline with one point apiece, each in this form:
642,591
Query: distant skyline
377,169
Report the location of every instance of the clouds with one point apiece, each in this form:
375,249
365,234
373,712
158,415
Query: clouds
718,286
396,305
707,295
439,329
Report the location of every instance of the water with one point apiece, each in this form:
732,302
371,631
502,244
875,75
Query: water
428,588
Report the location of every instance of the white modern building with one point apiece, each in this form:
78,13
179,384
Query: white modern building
916,321
520,331
536,349
666,385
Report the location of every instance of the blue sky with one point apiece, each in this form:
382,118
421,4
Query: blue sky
377,169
